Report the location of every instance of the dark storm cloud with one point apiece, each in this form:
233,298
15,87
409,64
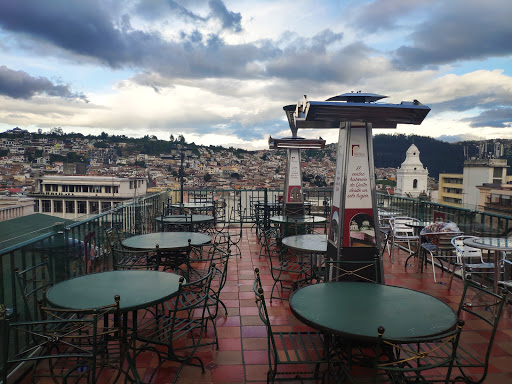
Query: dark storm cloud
459,30
384,14
81,27
85,29
497,118
20,85
230,20
159,9
483,100
342,65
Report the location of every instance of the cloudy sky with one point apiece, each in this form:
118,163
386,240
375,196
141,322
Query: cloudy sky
220,71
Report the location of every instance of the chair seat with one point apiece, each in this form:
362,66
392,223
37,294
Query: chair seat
429,247
481,265
293,266
158,329
300,347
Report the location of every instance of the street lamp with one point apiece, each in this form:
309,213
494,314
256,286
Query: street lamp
183,151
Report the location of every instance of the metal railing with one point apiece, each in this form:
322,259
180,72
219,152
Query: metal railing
75,248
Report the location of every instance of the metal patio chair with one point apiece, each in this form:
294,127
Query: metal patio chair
33,282
438,245
481,305
176,335
288,269
78,345
420,360
402,236
123,258
470,259
292,356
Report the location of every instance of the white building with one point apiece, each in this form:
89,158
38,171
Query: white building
12,207
70,197
478,172
411,177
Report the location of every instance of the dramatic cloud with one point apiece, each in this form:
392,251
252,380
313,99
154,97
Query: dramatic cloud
226,67
160,9
459,30
230,20
385,14
498,118
20,85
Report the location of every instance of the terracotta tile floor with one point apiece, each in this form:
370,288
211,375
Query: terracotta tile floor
242,356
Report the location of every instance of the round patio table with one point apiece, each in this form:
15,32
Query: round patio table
200,206
355,310
137,289
314,243
495,245
304,219
167,241
191,220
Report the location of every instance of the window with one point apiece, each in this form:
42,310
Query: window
82,206
85,188
47,187
108,189
57,206
105,206
415,183
65,188
94,207
36,206
47,206
70,207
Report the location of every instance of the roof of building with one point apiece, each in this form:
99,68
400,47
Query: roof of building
25,228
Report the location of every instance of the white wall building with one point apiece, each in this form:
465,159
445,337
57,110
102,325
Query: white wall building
70,197
478,172
411,177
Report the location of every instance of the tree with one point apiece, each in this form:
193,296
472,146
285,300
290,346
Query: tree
100,144
235,175
56,131
207,177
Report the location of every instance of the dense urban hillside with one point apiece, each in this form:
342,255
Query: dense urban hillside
389,150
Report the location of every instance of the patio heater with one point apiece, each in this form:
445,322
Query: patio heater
183,152
293,196
353,228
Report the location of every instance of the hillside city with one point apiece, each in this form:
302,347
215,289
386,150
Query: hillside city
24,156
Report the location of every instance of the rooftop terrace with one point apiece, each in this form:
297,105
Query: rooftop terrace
242,354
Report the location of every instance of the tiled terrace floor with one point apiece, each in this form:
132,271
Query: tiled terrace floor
242,356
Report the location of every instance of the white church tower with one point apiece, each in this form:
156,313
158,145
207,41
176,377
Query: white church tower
411,177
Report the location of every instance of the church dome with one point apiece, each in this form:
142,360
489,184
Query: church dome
412,158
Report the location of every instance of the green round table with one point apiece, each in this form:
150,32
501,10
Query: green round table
137,289
314,243
200,206
355,310
167,241
190,220
305,219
